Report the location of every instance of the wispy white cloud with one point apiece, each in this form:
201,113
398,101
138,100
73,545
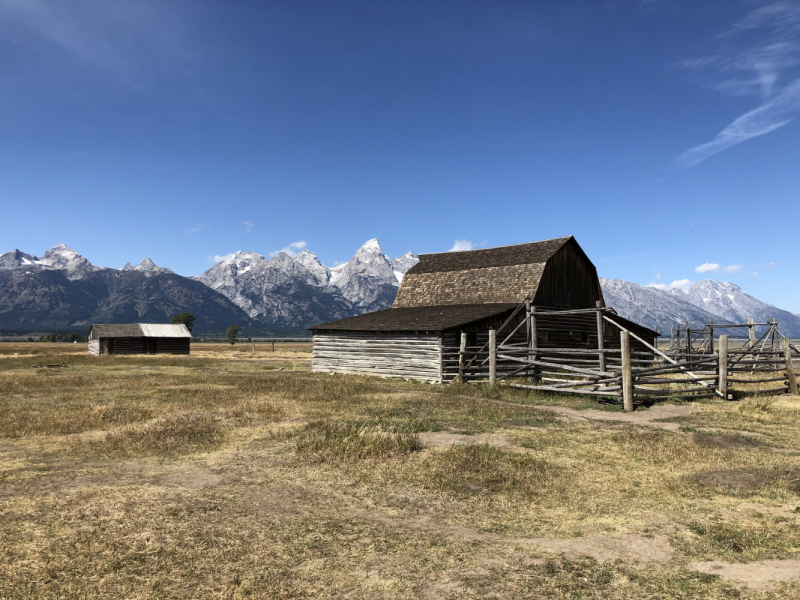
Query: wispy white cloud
766,265
247,226
753,274
191,230
733,269
680,284
292,249
760,121
707,268
218,258
755,56
461,246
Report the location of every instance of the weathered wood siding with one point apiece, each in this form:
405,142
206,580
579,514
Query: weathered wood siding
168,345
569,280
122,345
139,345
387,355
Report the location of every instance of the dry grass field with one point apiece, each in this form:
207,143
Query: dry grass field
233,475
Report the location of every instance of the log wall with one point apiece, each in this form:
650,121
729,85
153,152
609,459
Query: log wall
139,345
384,354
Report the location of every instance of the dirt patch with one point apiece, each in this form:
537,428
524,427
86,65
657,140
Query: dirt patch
447,439
735,480
194,479
725,441
604,548
755,576
442,589
648,418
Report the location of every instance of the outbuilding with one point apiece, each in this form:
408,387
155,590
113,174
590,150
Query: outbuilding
139,338
453,293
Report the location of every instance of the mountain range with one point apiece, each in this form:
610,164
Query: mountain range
63,289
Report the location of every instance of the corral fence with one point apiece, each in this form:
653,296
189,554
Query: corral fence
623,367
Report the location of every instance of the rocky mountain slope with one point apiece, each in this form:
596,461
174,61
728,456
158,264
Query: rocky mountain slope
293,292
720,302
63,289
652,307
731,302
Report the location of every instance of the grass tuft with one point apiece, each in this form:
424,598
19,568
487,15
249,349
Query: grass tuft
324,441
465,471
174,436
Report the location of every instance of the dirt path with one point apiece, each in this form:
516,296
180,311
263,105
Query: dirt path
756,576
603,548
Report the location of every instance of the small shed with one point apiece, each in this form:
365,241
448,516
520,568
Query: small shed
450,293
139,338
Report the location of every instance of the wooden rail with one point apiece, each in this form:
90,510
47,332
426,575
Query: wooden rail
620,374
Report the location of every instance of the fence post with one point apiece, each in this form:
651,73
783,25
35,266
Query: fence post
722,384
528,338
534,342
492,357
751,332
627,374
787,355
461,356
600,341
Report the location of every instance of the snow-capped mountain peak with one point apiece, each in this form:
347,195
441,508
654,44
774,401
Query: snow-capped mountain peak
371,246
16,259
309,261
731,302
148,267
65,259
402,264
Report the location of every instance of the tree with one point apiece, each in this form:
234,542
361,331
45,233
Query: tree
232,332
185,318
71,337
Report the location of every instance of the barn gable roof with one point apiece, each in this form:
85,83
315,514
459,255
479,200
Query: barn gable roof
502,256
507,274
160,330
417,318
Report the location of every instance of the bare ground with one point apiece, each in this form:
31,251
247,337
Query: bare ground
223,476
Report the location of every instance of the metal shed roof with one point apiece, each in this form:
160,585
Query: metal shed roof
417,318
159,330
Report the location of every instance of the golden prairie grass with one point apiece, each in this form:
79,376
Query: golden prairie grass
220,475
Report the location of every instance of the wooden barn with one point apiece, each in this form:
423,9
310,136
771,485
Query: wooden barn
451,293
139,338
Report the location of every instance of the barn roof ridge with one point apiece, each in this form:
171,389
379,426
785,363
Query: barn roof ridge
563,237
482,258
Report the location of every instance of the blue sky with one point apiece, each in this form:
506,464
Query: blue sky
662,134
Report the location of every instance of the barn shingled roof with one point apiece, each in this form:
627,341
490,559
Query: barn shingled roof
417,318
161,330
502,256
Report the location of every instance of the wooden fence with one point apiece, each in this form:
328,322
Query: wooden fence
634,372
